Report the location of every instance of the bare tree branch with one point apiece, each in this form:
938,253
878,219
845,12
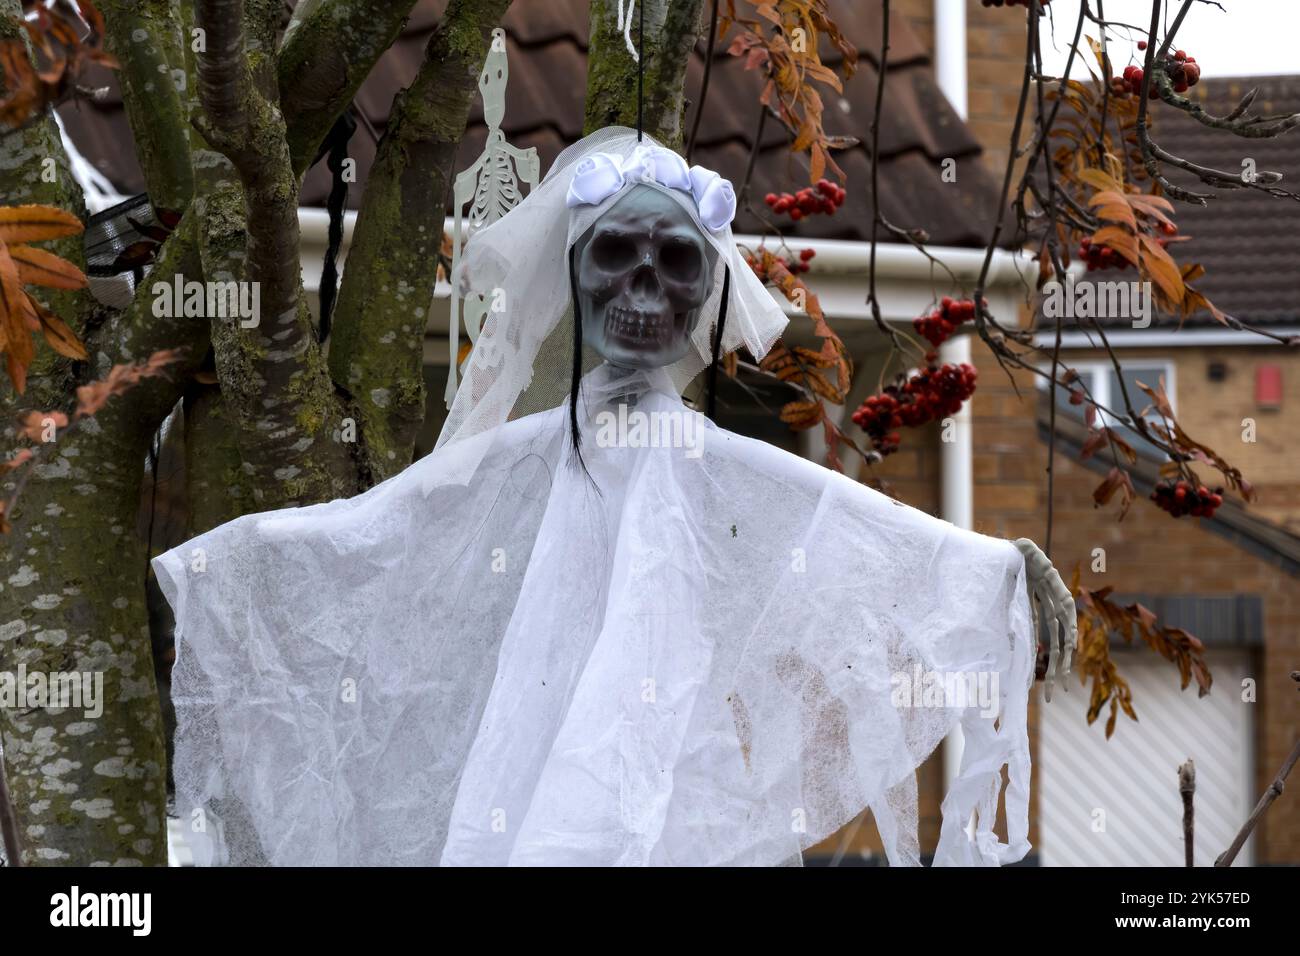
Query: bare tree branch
1187,790
145,37
324,60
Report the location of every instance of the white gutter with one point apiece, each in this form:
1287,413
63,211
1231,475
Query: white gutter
957,468
1140,338
900,260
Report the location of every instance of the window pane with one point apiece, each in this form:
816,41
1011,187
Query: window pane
1149,375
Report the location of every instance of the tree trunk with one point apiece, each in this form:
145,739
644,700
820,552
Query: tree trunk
378,331
87,786
672,28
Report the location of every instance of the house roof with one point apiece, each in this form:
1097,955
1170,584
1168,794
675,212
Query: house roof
549,40
1249,242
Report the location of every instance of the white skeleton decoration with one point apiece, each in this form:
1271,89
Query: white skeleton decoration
490,185
577,633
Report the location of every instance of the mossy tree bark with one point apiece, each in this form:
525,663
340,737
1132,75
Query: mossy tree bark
672,28
379,323
327,52
86,789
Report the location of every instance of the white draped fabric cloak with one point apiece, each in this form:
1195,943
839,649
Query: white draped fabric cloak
714,653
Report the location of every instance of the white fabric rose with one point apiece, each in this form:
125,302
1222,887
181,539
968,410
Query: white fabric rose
714,197
595,178
639,166
670,169
601,175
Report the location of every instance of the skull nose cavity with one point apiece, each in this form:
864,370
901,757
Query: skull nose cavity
645,287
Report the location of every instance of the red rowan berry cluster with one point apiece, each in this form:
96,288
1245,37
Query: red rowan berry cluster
805,255
1183,71
1100,256
937,327
1183,498
825,198
930,394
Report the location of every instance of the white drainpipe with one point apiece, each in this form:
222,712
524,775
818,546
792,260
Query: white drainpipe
957,468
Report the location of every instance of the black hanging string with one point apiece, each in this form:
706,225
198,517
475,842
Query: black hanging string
335,150
576,375
717,344
640,71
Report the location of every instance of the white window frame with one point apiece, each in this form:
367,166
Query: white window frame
1096,373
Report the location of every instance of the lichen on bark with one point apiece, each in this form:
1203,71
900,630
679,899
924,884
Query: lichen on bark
145,37
382,311
672,28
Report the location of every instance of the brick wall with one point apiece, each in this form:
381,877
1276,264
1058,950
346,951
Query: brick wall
1213,413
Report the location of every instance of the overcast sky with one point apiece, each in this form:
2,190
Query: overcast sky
1252,37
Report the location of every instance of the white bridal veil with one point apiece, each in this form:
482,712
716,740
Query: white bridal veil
693,649
519,264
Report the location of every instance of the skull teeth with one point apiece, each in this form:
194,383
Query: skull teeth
635,325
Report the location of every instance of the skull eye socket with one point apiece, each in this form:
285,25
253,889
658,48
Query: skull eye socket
613,251
681,260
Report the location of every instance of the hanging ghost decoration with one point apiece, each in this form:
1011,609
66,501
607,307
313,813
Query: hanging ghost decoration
574,635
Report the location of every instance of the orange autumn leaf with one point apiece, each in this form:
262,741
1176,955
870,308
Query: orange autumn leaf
1162,269
60,338
1118,239
801,415
1101,619
20,224
91,398
64,38
20,264
38,267
794,69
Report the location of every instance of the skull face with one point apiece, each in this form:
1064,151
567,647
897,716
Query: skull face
644,271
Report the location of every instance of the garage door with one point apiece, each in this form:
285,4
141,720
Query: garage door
1115,802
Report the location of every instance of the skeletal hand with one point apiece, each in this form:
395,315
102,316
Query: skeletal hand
1046,585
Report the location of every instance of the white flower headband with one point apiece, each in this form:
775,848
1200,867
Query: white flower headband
600,175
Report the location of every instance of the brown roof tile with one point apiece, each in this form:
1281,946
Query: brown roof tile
1248,242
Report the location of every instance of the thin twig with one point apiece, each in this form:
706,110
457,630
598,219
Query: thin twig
753,152
982,316
704,83
876,219
1187,789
